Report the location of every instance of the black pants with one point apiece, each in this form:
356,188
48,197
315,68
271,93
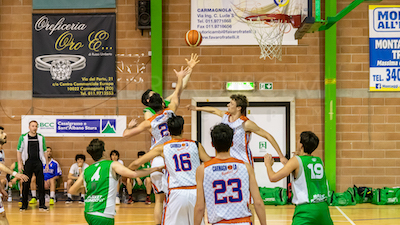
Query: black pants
33,167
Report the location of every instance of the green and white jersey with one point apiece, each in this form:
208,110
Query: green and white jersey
101,185
310,186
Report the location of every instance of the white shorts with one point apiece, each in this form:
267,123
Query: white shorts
179,209
158,179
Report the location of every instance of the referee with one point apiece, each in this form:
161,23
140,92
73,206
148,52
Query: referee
31,148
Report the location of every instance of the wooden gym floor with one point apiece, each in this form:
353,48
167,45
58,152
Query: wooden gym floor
139,213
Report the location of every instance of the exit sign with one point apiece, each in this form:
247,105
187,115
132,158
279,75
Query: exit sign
266,86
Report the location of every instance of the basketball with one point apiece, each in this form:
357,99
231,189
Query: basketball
193,38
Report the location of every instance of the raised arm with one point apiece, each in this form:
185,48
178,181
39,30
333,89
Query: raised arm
203,154
199,208
291,165
255,193
133,130
207,109
156,151
191,64
250,126
179,87
125,172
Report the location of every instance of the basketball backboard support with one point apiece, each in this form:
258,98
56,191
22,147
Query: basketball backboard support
310,24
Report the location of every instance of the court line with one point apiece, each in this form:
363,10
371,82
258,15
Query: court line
345,216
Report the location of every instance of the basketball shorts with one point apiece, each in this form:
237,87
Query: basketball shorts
315,213
98,220
158,179
136,186
179,209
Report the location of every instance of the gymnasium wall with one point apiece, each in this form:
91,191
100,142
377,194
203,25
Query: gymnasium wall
368,123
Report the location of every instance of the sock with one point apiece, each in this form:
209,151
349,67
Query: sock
33,193
130,195
148,195
9,192
69,195
52,194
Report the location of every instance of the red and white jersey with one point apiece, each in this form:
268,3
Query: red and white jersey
240,148
159,128
226,191
181,159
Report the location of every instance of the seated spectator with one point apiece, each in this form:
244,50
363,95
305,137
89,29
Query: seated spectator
13,183
142,183
114,156
74,172
51,172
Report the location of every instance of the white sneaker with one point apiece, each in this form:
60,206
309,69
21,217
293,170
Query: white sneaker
117,201
9,199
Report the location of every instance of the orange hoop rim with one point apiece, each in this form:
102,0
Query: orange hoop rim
283,18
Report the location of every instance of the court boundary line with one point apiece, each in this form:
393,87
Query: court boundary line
344,214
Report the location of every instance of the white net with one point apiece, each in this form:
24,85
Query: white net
266,22
269,36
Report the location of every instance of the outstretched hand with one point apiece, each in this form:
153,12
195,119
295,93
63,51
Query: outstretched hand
268,160
183,72
193,60
22,177
191,107
132,124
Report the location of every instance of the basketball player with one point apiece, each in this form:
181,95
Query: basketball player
225,184
101,184
157,126
310,188
3,193
182,157
236,118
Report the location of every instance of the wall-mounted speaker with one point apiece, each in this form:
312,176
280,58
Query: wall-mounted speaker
143,15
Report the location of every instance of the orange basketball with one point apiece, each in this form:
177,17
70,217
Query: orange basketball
193,38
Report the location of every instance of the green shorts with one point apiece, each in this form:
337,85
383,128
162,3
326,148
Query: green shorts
316,213
98,220
139,187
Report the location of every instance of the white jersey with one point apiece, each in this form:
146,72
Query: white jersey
74,170
226,190
159,128
240,148
181,159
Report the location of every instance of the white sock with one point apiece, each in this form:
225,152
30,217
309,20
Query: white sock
83,195
9,192
33,193
52,194
69,195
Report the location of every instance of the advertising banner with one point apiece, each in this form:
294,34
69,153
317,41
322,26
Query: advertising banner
222,22
76,126
74,55
73,4
384,47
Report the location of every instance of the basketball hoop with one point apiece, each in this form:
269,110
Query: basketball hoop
268,22
268,29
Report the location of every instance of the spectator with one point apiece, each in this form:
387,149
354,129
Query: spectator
114,156
13,183
74,172
140,183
